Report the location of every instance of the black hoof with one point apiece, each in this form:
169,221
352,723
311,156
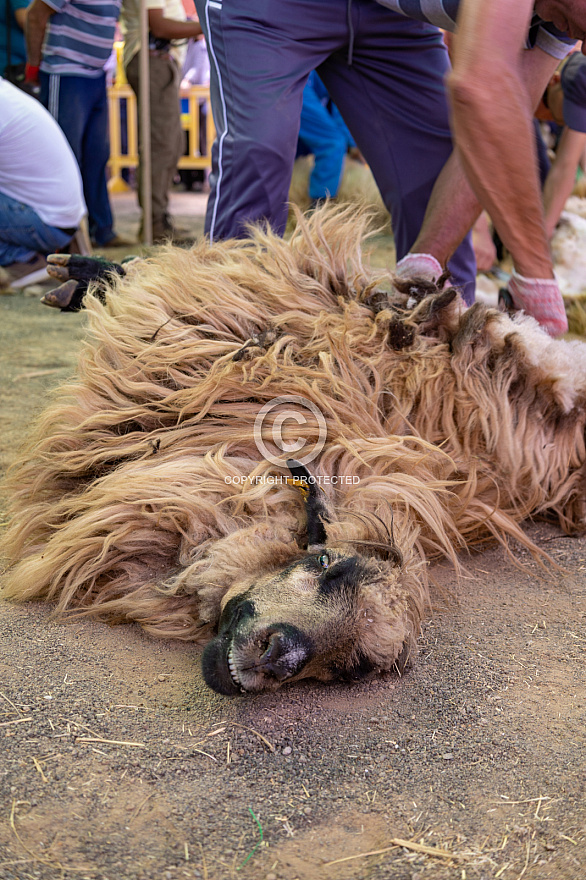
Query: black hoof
505,301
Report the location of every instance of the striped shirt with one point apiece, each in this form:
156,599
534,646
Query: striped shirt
79,36
444,14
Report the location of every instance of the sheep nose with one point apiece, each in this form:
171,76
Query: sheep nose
286,653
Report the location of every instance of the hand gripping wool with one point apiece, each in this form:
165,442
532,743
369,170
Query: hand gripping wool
143,496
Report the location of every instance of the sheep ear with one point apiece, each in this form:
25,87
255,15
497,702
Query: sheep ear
315,507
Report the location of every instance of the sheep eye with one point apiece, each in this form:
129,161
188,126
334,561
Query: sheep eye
324,560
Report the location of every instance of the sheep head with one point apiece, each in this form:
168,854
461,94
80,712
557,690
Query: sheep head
339,611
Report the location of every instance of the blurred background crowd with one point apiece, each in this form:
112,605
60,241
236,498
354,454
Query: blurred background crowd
66,147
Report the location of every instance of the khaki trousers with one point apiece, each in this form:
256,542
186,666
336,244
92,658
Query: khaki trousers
166,132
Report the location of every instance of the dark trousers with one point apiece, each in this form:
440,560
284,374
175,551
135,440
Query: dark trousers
80,106
383,71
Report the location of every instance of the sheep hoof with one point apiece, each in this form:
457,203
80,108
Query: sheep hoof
62,297
505,301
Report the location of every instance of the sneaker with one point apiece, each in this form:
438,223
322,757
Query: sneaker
22,274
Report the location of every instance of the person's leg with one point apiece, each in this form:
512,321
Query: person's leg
166,137
95,155
23,234
393,99
323,138
132,75
79,105
166,134
257,77
72,119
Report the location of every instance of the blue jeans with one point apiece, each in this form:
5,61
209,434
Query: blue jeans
80,106
23,234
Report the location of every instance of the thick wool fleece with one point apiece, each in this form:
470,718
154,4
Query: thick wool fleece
142,494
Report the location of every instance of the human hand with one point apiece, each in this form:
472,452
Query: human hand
30,83
31,74
419,266
541,298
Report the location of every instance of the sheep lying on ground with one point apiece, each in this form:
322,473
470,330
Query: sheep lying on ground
157,486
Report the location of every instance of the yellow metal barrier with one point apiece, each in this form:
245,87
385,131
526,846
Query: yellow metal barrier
190,121
124,131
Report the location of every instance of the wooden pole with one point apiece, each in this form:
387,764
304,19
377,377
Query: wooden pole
145,127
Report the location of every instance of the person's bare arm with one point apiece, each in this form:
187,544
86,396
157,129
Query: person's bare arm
494,87
562,176
38,14
20,16
483,244
170,28
451,212
454,207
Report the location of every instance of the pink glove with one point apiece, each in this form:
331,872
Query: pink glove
540,298
419,266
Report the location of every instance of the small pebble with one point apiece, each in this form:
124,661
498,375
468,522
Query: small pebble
287,750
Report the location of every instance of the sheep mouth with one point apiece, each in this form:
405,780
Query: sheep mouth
232,668
219,667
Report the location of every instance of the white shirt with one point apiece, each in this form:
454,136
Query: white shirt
37,165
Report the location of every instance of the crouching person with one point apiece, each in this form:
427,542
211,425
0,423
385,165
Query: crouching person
41,196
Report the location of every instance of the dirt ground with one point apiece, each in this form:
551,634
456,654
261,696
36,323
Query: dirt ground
117,762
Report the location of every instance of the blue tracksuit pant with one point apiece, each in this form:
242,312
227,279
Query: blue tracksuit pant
383,71
80,106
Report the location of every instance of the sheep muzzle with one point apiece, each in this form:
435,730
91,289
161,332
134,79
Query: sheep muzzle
233,664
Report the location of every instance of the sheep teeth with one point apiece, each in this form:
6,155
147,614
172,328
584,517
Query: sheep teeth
232,667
